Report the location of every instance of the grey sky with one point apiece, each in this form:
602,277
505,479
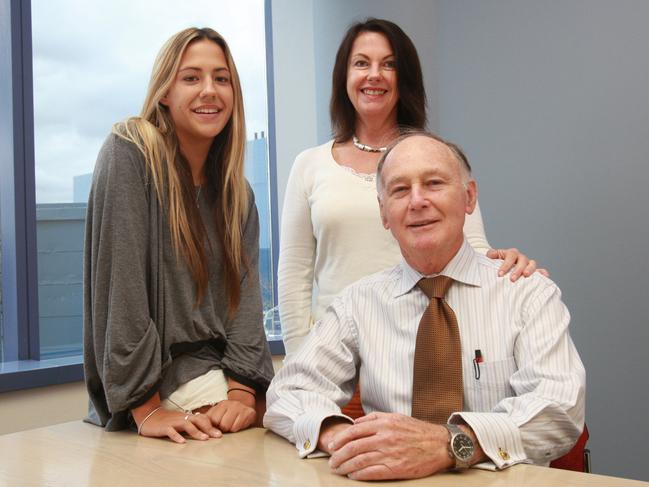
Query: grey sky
92,62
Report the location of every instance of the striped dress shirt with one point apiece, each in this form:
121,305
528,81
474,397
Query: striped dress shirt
526,405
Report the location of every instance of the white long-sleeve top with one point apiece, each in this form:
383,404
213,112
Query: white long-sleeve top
332,236
528,402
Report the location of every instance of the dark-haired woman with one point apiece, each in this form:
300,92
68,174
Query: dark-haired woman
173,337
331,230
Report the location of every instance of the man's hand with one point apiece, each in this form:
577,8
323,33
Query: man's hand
329,429
382,446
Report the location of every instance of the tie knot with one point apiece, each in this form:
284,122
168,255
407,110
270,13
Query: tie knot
435,287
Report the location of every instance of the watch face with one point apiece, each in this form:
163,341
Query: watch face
462,447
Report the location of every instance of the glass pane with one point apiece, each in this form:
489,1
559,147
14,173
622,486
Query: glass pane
92,62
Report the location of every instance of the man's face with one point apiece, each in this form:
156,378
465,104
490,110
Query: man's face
424,198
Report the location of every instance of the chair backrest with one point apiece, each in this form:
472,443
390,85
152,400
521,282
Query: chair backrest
577,459
260,408
354,409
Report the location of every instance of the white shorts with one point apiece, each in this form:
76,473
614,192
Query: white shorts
204,390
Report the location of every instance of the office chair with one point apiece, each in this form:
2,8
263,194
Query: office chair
577,459
354,409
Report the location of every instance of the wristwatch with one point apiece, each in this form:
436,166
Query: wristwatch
460,446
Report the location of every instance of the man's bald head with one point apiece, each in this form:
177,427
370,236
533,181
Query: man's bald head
455,150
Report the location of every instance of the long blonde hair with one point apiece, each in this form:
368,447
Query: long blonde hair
154,134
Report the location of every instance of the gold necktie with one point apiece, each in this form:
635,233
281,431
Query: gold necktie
437,388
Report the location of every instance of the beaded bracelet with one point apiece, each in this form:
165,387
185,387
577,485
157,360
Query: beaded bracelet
243,390
139,428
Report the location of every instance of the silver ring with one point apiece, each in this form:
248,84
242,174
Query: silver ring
186,417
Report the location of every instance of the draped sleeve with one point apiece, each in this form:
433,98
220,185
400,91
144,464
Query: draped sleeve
123,361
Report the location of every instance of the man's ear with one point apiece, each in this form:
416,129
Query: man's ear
382,211
471,196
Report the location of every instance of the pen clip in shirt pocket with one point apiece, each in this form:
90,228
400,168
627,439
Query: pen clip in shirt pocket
492,385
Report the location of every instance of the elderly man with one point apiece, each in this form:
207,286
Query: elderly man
457,366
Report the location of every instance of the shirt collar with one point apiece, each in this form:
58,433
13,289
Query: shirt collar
463,267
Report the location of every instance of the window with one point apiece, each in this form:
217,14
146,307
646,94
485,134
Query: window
86,76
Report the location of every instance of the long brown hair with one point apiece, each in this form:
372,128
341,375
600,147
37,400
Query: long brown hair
153,133
411,107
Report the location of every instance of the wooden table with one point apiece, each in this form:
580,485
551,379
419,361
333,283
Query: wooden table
78,454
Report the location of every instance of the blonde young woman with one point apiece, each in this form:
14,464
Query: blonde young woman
173,338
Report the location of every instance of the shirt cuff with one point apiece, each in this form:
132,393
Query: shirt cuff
306,431
498,436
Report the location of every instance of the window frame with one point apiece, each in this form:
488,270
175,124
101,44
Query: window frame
21,367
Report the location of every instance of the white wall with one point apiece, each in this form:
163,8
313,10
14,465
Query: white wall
550,101
294,72
33,408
